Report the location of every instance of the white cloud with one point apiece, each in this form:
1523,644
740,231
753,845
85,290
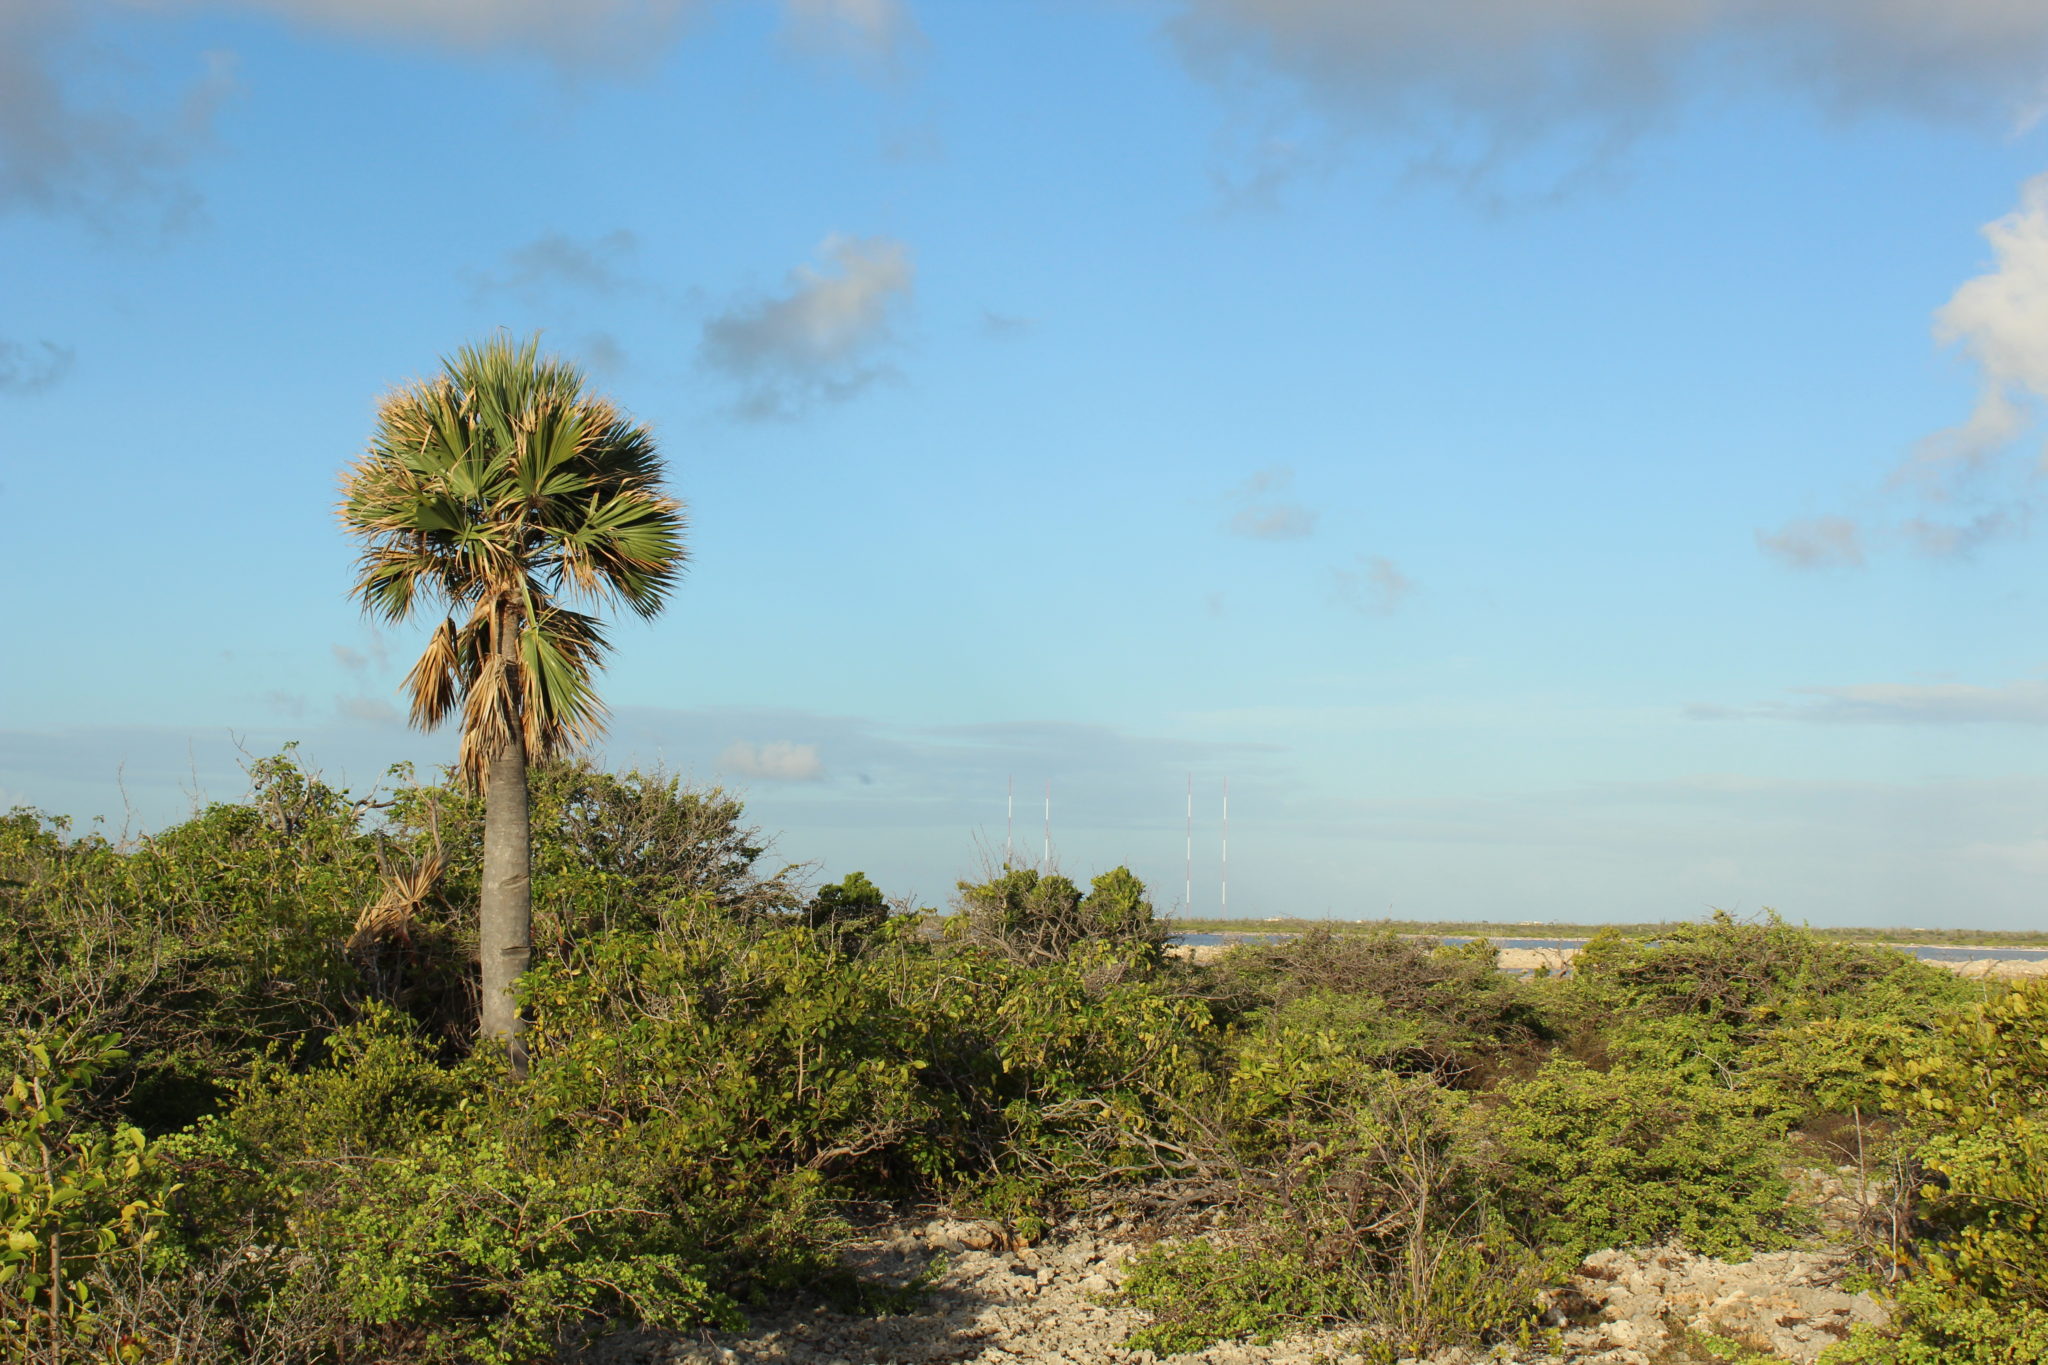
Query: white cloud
778,760
815,341
1814,543
1999,320
1479,82
1371,586
1978,481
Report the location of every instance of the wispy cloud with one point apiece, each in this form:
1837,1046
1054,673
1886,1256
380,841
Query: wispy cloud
101,159
1004,326
817,340
1476,86
32,367
1371,585
1263,513
2023,702
113,160
603,267
777,760
368,711
876,34
583,36
1814,543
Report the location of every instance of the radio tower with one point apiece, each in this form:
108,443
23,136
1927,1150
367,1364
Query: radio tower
1010,825
1223,907
1187,897
1045,867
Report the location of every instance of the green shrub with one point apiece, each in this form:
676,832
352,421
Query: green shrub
1978,1287
73,1197
1030,918
202,947
1626,1157
1372,1207
1458,1009
465,1248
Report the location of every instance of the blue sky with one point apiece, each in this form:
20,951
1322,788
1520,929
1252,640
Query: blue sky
1578,465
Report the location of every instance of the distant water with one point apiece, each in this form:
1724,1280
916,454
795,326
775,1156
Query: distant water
1942,954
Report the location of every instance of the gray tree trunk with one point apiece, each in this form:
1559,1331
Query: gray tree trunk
505,931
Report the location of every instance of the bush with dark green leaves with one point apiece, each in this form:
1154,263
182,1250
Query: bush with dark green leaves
1029,916
1456,1013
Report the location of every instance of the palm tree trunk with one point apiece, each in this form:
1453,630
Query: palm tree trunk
506,920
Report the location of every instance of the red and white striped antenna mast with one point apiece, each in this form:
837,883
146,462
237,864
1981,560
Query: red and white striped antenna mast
1187,898
1010,825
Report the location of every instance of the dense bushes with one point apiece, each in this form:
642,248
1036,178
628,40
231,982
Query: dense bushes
1628,1157
1978,1100
298,1155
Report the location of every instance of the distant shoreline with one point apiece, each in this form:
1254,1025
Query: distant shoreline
1583,933
1556,954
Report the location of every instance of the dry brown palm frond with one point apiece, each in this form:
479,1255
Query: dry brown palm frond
436,680
390,918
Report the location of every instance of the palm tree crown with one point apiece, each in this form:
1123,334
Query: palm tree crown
500,490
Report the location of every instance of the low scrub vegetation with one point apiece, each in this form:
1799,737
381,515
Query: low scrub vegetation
248,1116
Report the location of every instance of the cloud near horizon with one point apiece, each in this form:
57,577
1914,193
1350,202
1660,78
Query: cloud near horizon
2024,702
778,760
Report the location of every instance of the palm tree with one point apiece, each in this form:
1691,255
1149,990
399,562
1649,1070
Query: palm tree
498,491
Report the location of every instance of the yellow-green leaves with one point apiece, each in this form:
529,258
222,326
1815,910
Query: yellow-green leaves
69,1195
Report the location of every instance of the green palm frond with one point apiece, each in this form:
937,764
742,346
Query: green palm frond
491,490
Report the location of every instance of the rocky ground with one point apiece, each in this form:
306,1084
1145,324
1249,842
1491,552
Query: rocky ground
1051,1305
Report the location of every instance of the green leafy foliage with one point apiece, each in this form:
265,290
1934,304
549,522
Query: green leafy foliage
300,1155
1362,1198
1626,1157
72,1195
1029,916
1979,1098
1458,1014
852,908
1766,999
